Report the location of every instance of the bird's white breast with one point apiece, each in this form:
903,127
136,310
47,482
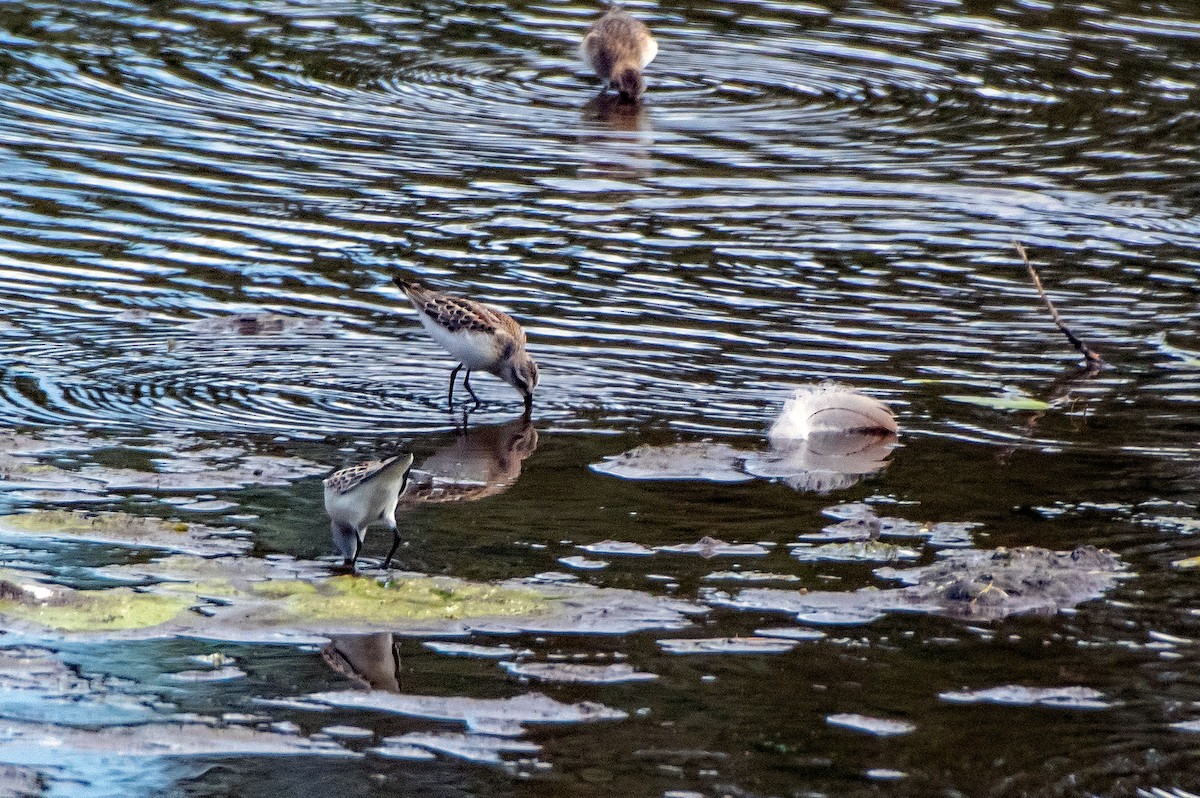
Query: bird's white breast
475,350
648,52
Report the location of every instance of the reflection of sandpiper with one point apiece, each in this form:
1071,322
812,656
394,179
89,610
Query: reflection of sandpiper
365,494
481,462
619,47
481,337
372,661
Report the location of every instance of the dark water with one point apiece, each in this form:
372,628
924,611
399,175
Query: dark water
810,190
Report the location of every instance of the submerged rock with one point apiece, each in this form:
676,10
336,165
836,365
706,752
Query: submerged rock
728,645
711,462
37,686
65,610
186,475
1015,695
20,782
976,585
880,727
251,324
285,600
352,599
708,547
480,748
471,650
791,633
564,672
505,717
860,522
749,576
582,609
855,551
123,529
995,584
24,474
224,574
618,548
822,463
44,744
225,674
584,563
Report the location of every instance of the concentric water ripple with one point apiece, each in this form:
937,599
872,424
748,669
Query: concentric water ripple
808,192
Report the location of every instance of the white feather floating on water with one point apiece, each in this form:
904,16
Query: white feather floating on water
830,408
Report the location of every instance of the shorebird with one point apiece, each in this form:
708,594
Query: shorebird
830,408
481,337
619,47
361,495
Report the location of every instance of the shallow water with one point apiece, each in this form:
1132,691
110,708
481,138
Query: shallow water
810,191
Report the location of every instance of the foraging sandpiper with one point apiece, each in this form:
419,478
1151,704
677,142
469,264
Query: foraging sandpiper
361,495
619,47
481,337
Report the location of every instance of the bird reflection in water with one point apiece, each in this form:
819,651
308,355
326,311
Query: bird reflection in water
371,661
618,138
615,115
481,462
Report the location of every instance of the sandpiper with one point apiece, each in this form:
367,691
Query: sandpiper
619,47
361,495
481,337
831,408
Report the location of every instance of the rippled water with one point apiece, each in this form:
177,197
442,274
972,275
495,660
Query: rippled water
809,191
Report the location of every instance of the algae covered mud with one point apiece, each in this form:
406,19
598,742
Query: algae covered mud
634,592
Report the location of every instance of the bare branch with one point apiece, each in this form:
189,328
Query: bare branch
1094,361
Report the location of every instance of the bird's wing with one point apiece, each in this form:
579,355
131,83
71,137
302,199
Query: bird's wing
455,313
349,478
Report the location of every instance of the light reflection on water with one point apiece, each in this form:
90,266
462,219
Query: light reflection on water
810,191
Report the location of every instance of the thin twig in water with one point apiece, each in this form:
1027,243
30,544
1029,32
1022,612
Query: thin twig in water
1094,361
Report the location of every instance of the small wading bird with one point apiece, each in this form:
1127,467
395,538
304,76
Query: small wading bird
619,47
481,337
831,409
361,495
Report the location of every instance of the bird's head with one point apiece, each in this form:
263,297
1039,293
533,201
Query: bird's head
630,84
522,373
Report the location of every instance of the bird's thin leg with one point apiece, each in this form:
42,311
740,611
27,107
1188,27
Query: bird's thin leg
357,546
467,385
528,407
453,377
395,545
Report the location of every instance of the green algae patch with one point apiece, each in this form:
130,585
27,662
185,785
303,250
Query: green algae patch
419,598
119,609
1009,403
124,529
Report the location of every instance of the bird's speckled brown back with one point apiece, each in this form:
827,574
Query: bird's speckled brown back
349,478
616,42
457,314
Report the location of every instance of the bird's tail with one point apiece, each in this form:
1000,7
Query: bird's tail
406,282
400,461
